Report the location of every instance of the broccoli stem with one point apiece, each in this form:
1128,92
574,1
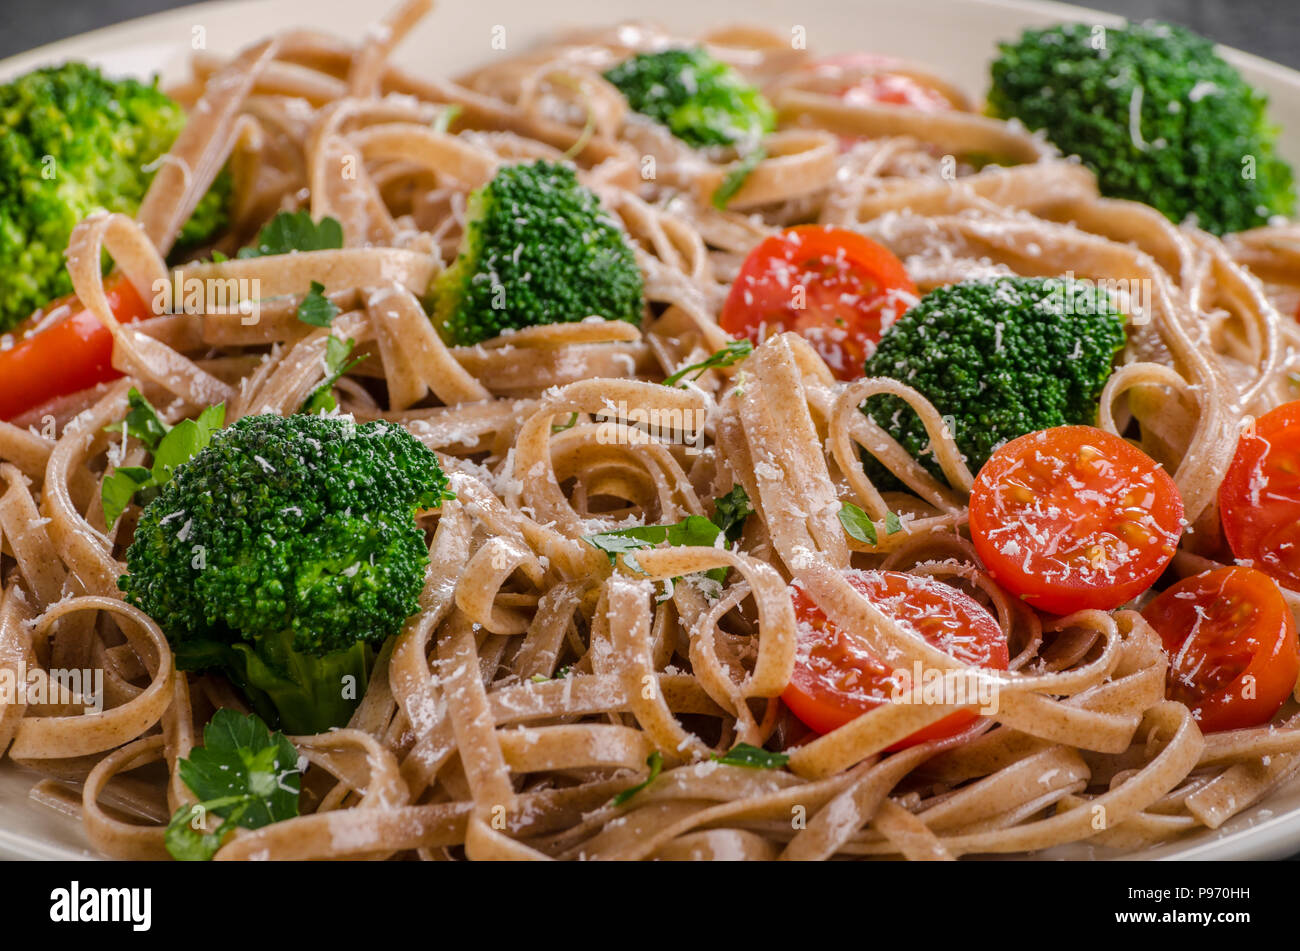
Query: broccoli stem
291,690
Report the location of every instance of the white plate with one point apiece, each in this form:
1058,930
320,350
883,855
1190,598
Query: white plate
957,37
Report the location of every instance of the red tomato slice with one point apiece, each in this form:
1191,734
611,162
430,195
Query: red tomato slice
879,84
833,287
1074,517
1259,500
71,355
1231,639
836,678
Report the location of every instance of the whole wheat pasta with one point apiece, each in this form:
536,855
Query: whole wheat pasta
538,680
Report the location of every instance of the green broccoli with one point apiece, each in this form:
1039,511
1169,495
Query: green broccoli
283,553
538,249
702,101
73,141
1156,113
999,358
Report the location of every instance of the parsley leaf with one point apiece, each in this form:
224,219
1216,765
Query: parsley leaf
243,774
730,512
142,421
692,530
729,355
171,446
752,757
857,523
120,488
656,763
337,352
317,309
186,440
735,178
623,540
294,231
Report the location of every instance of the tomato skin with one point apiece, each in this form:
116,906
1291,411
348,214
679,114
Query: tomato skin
68,356
849,287
1074,517
1259,499
836,678
879,84
1219,628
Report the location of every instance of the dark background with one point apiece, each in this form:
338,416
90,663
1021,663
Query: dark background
1269,28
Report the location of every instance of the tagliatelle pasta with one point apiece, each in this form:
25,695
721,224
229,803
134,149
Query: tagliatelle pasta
538,678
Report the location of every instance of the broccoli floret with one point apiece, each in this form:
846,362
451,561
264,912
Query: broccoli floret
1156,113
1000,358
73,141
284,553
538,249
701,101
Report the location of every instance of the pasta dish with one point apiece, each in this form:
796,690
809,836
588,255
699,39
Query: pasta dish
649,446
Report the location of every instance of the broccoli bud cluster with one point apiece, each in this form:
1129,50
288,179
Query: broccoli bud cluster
1156,113
283,553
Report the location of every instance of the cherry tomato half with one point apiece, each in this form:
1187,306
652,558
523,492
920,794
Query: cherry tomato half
836,678
836,288
1231,639
71,355
1074,517
1259,500
867,78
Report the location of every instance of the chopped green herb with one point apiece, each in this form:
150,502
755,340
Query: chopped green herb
752,757
317,309
243,774
857,523
120,488
337,352
295,231
730,512
177,445
573,421
656,763
736,177
442,122
729,355
692,530
142,421
185,441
